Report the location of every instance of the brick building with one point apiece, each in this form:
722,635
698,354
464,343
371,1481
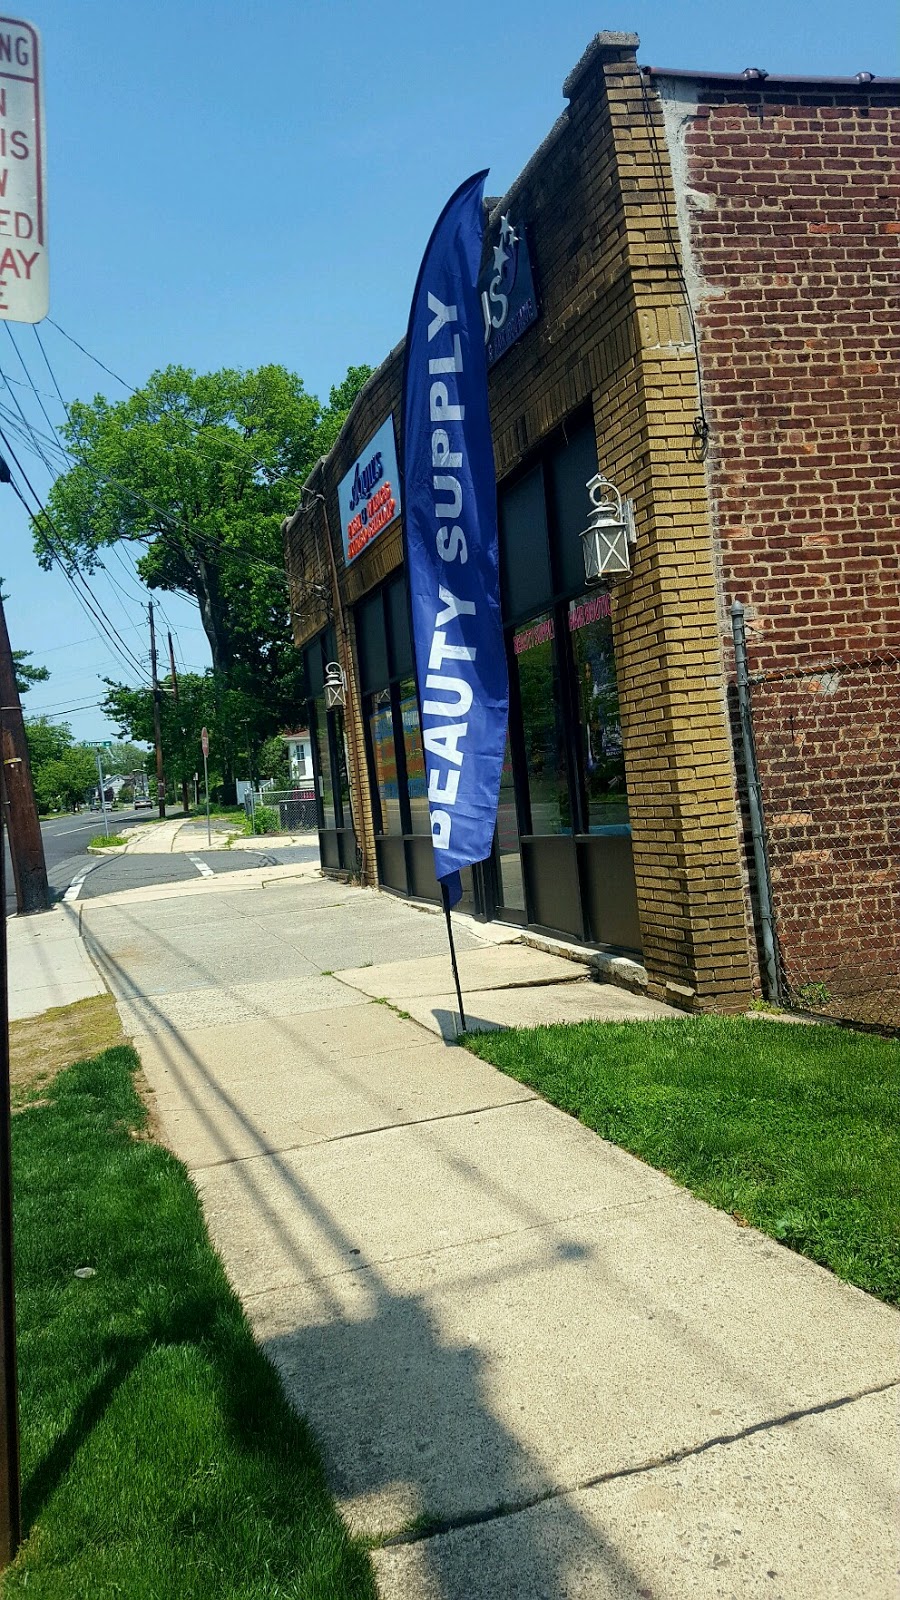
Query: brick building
710,266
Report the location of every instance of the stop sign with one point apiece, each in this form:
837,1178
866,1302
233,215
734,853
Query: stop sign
204,742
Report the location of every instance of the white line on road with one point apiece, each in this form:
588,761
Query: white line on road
203,868
75,886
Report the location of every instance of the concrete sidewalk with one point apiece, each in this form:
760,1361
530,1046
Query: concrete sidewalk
48,963
537,1367
186,835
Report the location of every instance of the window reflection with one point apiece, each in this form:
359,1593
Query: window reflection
384,757
415,758
534,650
512,893
599,722
326,780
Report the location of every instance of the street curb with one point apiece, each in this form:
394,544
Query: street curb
106,849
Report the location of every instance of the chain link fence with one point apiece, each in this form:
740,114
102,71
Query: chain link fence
295,808
827,744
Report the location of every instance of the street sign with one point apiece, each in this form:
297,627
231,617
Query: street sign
24,275
204,745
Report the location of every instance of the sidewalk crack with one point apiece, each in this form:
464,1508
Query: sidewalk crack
361,1133
512,1508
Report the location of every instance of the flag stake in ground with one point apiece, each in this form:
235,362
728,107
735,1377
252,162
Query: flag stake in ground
445,897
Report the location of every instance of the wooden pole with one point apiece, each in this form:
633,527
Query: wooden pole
26,843
10,1502
157,724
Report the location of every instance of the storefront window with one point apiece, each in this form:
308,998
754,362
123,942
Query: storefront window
415,758
601,751
343,764
323,753
512,892
534,651
384,758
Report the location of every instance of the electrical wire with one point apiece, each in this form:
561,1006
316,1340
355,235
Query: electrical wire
87,599
96,359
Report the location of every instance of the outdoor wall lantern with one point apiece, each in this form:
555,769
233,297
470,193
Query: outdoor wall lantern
335,686
608,539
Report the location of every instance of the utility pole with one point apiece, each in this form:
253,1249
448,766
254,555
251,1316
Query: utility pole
10,1507
185,796
26,844
157,725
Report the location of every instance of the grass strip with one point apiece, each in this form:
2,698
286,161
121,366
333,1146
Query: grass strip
793,1129
161,1460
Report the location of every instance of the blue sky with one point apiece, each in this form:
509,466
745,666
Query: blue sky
235,183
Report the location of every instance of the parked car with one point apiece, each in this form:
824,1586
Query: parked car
141,801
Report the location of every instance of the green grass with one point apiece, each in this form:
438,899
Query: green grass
102,841
794,1129
160,1458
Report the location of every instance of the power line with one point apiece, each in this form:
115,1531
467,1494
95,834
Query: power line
97,611
34,390
95,359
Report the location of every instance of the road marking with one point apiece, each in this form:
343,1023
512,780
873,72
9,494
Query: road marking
203,868
75,886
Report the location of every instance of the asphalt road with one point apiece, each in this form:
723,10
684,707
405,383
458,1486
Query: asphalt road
65,850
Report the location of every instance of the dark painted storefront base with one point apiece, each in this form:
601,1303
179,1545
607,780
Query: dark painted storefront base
578,888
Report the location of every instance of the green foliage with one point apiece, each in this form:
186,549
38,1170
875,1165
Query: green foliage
161,1460
230,716
47,741
813,995
26,674
124,759
265,819
272,762
113,842
793,1128
200,469
62,772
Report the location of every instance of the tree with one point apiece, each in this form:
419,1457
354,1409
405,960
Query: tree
230,716
273,762
47,741
200,470
27,675
124,759
66,780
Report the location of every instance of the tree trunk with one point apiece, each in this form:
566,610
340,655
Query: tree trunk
212,616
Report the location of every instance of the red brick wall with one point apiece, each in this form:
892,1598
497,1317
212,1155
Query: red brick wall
789,214
795,242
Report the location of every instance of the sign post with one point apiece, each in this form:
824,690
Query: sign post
24,297
102,795
10,1503
204,745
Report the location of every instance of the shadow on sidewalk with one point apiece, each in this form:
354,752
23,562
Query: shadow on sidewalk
411,1445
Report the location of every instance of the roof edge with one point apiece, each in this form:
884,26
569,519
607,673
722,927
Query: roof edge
767,78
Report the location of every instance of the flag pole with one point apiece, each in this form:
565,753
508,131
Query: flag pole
445,898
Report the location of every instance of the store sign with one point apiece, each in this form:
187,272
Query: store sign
369,494
506,288
24,281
